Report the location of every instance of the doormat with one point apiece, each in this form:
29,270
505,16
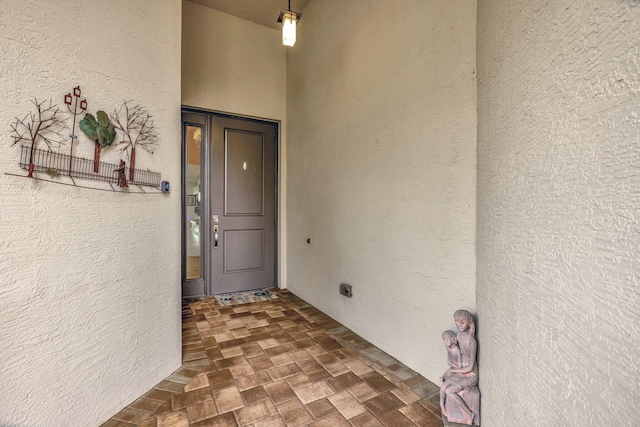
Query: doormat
245,297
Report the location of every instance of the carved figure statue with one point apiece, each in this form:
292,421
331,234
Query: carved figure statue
459,395
454,357
122,177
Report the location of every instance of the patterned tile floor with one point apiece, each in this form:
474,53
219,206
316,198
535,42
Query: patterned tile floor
281,363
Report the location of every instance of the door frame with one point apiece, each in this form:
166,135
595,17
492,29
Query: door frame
205,216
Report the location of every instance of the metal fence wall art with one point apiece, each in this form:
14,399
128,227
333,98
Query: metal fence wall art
42,130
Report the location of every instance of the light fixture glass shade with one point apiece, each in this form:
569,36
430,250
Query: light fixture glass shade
289,20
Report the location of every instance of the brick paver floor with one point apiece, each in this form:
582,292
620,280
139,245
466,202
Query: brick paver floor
281,362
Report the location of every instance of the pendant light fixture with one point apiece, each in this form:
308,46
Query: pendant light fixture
289,21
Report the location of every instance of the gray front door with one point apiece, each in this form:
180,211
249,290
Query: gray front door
243,204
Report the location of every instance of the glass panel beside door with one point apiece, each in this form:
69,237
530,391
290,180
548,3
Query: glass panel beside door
193,199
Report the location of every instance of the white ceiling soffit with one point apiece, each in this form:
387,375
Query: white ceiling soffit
263,12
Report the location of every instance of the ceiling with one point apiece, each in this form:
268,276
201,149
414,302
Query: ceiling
263,12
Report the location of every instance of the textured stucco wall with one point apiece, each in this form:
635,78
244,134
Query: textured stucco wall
558,210
89,280
235,66
381,169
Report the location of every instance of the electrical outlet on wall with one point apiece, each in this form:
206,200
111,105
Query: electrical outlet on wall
345,290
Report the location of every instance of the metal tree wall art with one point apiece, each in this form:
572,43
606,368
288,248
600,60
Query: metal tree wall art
101,131
44,128
68,99
45,124
137,129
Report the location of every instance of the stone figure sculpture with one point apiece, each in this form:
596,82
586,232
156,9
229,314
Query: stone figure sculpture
459,395
454,357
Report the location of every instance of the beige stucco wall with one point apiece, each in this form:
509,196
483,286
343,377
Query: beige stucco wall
558,197
89,280
381,109
235,66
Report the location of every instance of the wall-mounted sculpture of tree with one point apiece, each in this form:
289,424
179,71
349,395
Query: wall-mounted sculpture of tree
101,131
137,129
44,124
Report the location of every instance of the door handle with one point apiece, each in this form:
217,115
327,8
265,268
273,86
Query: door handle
215,236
